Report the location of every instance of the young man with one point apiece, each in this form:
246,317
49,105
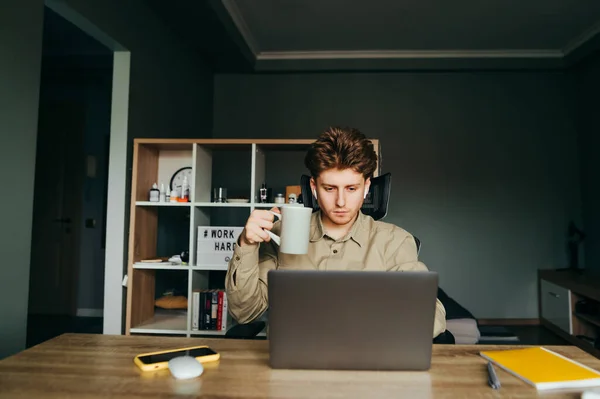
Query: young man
341,162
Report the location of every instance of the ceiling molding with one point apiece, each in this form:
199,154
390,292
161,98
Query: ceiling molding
240,23
551,58
431,55
68,13
582,39
407,64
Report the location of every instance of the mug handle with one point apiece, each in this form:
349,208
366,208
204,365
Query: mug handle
274,236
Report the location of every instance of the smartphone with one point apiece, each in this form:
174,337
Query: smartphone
160,360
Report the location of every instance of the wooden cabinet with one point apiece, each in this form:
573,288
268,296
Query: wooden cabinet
556,305
570,306
165,229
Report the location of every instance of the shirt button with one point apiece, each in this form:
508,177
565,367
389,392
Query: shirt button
335,251
237,258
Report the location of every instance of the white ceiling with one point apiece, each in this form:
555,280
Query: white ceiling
316,34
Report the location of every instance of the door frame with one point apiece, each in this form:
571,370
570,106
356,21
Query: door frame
114,265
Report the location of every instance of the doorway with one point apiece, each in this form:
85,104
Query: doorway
66,291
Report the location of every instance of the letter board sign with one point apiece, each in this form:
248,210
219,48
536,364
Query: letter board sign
215,245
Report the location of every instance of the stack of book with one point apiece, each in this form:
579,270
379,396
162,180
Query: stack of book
209,310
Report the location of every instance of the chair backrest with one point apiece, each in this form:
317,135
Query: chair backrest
375,204
418,242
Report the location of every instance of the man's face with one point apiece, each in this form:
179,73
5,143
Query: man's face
340,194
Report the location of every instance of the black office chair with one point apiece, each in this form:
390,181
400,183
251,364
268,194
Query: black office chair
375,205
245,331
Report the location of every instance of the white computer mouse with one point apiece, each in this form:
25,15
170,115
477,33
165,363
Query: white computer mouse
591,393
184,367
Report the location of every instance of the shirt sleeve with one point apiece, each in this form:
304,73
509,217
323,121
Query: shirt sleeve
404,258
246,280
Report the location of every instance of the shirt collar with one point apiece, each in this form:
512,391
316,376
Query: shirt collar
358,232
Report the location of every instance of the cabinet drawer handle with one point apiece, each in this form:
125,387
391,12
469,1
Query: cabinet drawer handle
553,294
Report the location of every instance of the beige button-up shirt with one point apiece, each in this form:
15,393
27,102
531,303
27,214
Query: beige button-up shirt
369,245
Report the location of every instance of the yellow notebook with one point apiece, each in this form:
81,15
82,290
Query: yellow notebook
543,368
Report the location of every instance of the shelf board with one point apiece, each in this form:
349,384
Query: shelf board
595,320
149,203
163,322
236,205
223,204
266,205
212,204
168,266
207,332
219,333
210,267
587,346
160,266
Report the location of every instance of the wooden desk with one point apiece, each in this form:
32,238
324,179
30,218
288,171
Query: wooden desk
95,366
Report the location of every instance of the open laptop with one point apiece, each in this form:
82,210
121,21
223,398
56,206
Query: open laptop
351,320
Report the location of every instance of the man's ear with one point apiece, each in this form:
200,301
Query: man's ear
367,187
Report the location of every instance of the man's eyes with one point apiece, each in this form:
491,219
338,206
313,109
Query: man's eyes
332,188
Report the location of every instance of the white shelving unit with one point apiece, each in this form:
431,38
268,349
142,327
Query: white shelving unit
149,203
164,322
238,165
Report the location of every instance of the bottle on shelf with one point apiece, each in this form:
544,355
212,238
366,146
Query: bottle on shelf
263,194
174,195
280,199
185,191
154,193
162,192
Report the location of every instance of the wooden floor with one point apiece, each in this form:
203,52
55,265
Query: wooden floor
41,328
536,335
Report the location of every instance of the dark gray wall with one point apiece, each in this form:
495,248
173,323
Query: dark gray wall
587,86
21,44
171,87
170,96
485,167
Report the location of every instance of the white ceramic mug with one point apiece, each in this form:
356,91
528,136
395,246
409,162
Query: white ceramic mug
295,229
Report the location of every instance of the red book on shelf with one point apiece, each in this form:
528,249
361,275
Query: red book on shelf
220,311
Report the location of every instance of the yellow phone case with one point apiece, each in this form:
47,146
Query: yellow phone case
165,364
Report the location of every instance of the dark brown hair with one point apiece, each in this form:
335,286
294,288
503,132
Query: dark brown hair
341,148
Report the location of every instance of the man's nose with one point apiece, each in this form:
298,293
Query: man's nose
340,199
